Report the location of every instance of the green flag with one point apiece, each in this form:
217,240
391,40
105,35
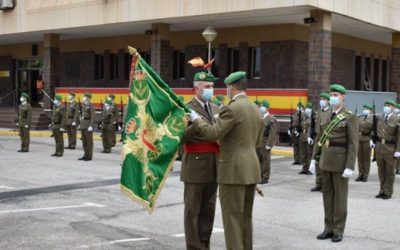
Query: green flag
152,136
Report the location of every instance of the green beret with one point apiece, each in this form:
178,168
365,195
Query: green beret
325,95
257,102
220,97
338,88
112,96
368,106
88,95
309,105
58,97
204,76
398,105
390,102
25,95
265,103
234,77
71,94
109,102
299,104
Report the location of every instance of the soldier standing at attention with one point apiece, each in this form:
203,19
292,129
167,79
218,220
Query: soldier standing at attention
324,107
111,98
396,111
264,152
337,147
24,122
387,149
86,127
72,120
107,126
364,147
239,129
58,125
199,168
306,144
294,133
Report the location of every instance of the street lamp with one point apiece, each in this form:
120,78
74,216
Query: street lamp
209,35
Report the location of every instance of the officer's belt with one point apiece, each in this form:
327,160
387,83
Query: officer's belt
383,141
191,148
337,144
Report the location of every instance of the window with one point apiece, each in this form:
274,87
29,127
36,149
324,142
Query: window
384,75
233,60
98,67
179,65
255,62
114,67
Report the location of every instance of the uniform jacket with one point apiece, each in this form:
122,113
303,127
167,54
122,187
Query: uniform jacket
88,116
388,130
72,113
24,115
239,129
108,118
269,131
306,125
365,127
332,158
58,117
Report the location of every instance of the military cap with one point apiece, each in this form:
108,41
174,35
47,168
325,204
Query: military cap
338,88
325,95
309,105
88,95
299,104
234,77
204,76
71,94
368,106
25,95
257,102
109,102
58,97
390,102
220,97
265,103
112,96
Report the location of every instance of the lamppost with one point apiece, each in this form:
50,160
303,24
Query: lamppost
209,35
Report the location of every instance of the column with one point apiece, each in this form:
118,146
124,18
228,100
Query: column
51,64
161,53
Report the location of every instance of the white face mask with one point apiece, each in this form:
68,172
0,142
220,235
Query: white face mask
334,101
56,102
70,98
308,111
207,94
107,106
387,110
22,99
263,110
85,100
365,112
322,103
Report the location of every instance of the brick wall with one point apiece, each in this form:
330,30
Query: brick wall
343,67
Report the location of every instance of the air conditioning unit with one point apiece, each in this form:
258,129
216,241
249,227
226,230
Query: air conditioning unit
7,4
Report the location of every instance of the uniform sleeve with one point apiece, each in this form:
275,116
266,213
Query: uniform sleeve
272,133
63,118
398,138
352,141
316,148
92,116
29,118
76,114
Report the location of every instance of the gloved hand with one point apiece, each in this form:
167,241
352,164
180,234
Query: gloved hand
371,144
396,154
73,124
17,124
289,133
90,129
312,166
347,173
78,127
26,126
119,128
62,130
268,147
50,125
310,141
194,116
296,133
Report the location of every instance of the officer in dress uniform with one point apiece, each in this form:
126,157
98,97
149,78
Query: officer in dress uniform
199,168
239,129
107,126
72,120
264,152
86,127
387,149
306,144
337,147
324,107
58,119
364,149
24,122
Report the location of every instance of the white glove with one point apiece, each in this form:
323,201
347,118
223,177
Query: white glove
73,124
62,130
90,129
194,116
371,144
50,125
79,127
268,147
119,128
310,141
17,124
347,173
396,154
296,133
312,166
288,132
26,126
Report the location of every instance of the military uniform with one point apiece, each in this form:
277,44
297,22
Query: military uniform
264,154
364,148
106,128
24,125
72,123
88,119
238,166
305,148
199,174
58,118
114,125
296,139
388,143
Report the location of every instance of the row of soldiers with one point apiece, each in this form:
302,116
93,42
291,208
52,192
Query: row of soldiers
378,132
68,120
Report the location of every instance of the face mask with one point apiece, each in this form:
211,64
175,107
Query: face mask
22,99
396,110
387,110
85,100
365,112
334,101
107,106
308,111
263,110
70,98
322,103
207,94
56,102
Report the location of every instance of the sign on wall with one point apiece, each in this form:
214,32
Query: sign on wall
5,73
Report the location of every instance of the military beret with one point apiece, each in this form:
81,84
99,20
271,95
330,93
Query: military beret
299,104
338,88
390,102
71,94
25,95
58,97
234,77
109,102
204,76
220,97
309,105
325,95
88,95
265,103
368,106
112,96
257,102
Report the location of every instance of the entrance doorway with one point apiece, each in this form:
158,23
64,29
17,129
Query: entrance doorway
28,72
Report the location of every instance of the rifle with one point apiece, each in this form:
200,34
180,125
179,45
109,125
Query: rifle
100,123
291,124
374,136
122,112
312,126
299,127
